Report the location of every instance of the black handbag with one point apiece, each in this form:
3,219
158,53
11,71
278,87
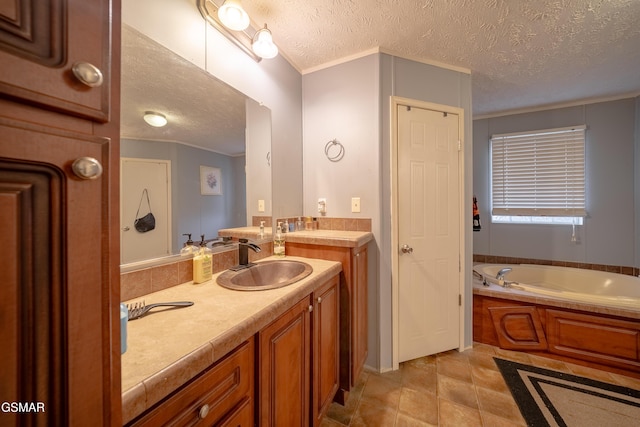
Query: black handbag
147,222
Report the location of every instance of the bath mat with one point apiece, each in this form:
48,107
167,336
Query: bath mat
552,398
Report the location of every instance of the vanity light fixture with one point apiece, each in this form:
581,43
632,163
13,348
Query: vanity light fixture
155,119
245,39
263,44
233,16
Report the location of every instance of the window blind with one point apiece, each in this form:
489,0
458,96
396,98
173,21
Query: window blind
539,173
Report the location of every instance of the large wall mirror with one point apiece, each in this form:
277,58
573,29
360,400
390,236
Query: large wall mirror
207,169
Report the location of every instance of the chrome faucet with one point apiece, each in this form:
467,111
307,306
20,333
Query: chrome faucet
500,276
243,252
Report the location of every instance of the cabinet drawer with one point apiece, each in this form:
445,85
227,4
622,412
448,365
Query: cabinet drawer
220,392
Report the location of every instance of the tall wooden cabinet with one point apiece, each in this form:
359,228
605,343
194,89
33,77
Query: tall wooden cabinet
353,306
59,150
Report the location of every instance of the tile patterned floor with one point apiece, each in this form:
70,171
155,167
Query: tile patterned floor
447,389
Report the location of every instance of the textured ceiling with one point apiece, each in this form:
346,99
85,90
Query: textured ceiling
521,53
156,79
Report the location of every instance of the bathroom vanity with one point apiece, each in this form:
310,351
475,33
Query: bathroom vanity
350,249
236,357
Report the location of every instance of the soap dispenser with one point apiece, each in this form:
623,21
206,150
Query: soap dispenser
189,248
278,242
202,264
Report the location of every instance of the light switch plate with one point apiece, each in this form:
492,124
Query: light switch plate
355,204
260,205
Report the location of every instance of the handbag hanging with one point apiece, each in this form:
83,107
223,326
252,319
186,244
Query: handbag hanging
147,222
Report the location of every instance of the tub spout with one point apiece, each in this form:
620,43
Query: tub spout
500,276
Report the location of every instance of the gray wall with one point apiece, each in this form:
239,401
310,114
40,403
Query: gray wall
350,102
192,212
608,233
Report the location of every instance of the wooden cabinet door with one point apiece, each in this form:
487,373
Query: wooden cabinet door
54,309
284,366
42,40
223,395
326,347
359,323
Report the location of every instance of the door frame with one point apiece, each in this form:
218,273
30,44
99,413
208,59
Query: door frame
396,101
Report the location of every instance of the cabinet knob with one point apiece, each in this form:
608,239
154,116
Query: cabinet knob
204,411
88,74
319,300
310,308
87,168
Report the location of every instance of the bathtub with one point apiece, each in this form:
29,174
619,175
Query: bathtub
574,284
582,316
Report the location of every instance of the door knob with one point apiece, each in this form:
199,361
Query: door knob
87,168
406,249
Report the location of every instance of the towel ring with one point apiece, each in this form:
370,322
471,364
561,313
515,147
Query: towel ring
335,156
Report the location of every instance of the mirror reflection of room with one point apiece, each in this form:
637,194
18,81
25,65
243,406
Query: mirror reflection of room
212,134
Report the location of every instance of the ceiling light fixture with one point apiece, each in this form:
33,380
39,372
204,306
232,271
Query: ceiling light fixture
233,15
263,44
155,119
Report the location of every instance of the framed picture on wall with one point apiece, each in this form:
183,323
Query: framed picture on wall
210,181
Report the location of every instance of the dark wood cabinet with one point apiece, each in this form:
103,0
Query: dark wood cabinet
43,41
59,222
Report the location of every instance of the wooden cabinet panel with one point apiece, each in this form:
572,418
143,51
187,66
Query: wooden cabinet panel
353,307
326,348
57,279
594,338
359,325
223,395
41,40
518,328
59,301
284,368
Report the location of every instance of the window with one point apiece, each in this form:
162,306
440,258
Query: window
539,177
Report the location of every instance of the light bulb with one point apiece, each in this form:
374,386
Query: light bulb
233,15
263,44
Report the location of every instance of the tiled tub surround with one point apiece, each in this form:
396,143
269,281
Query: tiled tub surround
166,350
141,282
494,259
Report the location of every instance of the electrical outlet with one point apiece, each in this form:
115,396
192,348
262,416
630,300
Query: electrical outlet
355,204
260,205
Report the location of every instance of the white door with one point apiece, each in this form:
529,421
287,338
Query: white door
428,232
135,176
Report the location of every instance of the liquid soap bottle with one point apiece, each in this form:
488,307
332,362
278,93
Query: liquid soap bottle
202,264
278,242
261,233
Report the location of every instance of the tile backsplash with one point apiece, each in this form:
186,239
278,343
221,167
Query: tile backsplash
141,282
342,224
493,259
